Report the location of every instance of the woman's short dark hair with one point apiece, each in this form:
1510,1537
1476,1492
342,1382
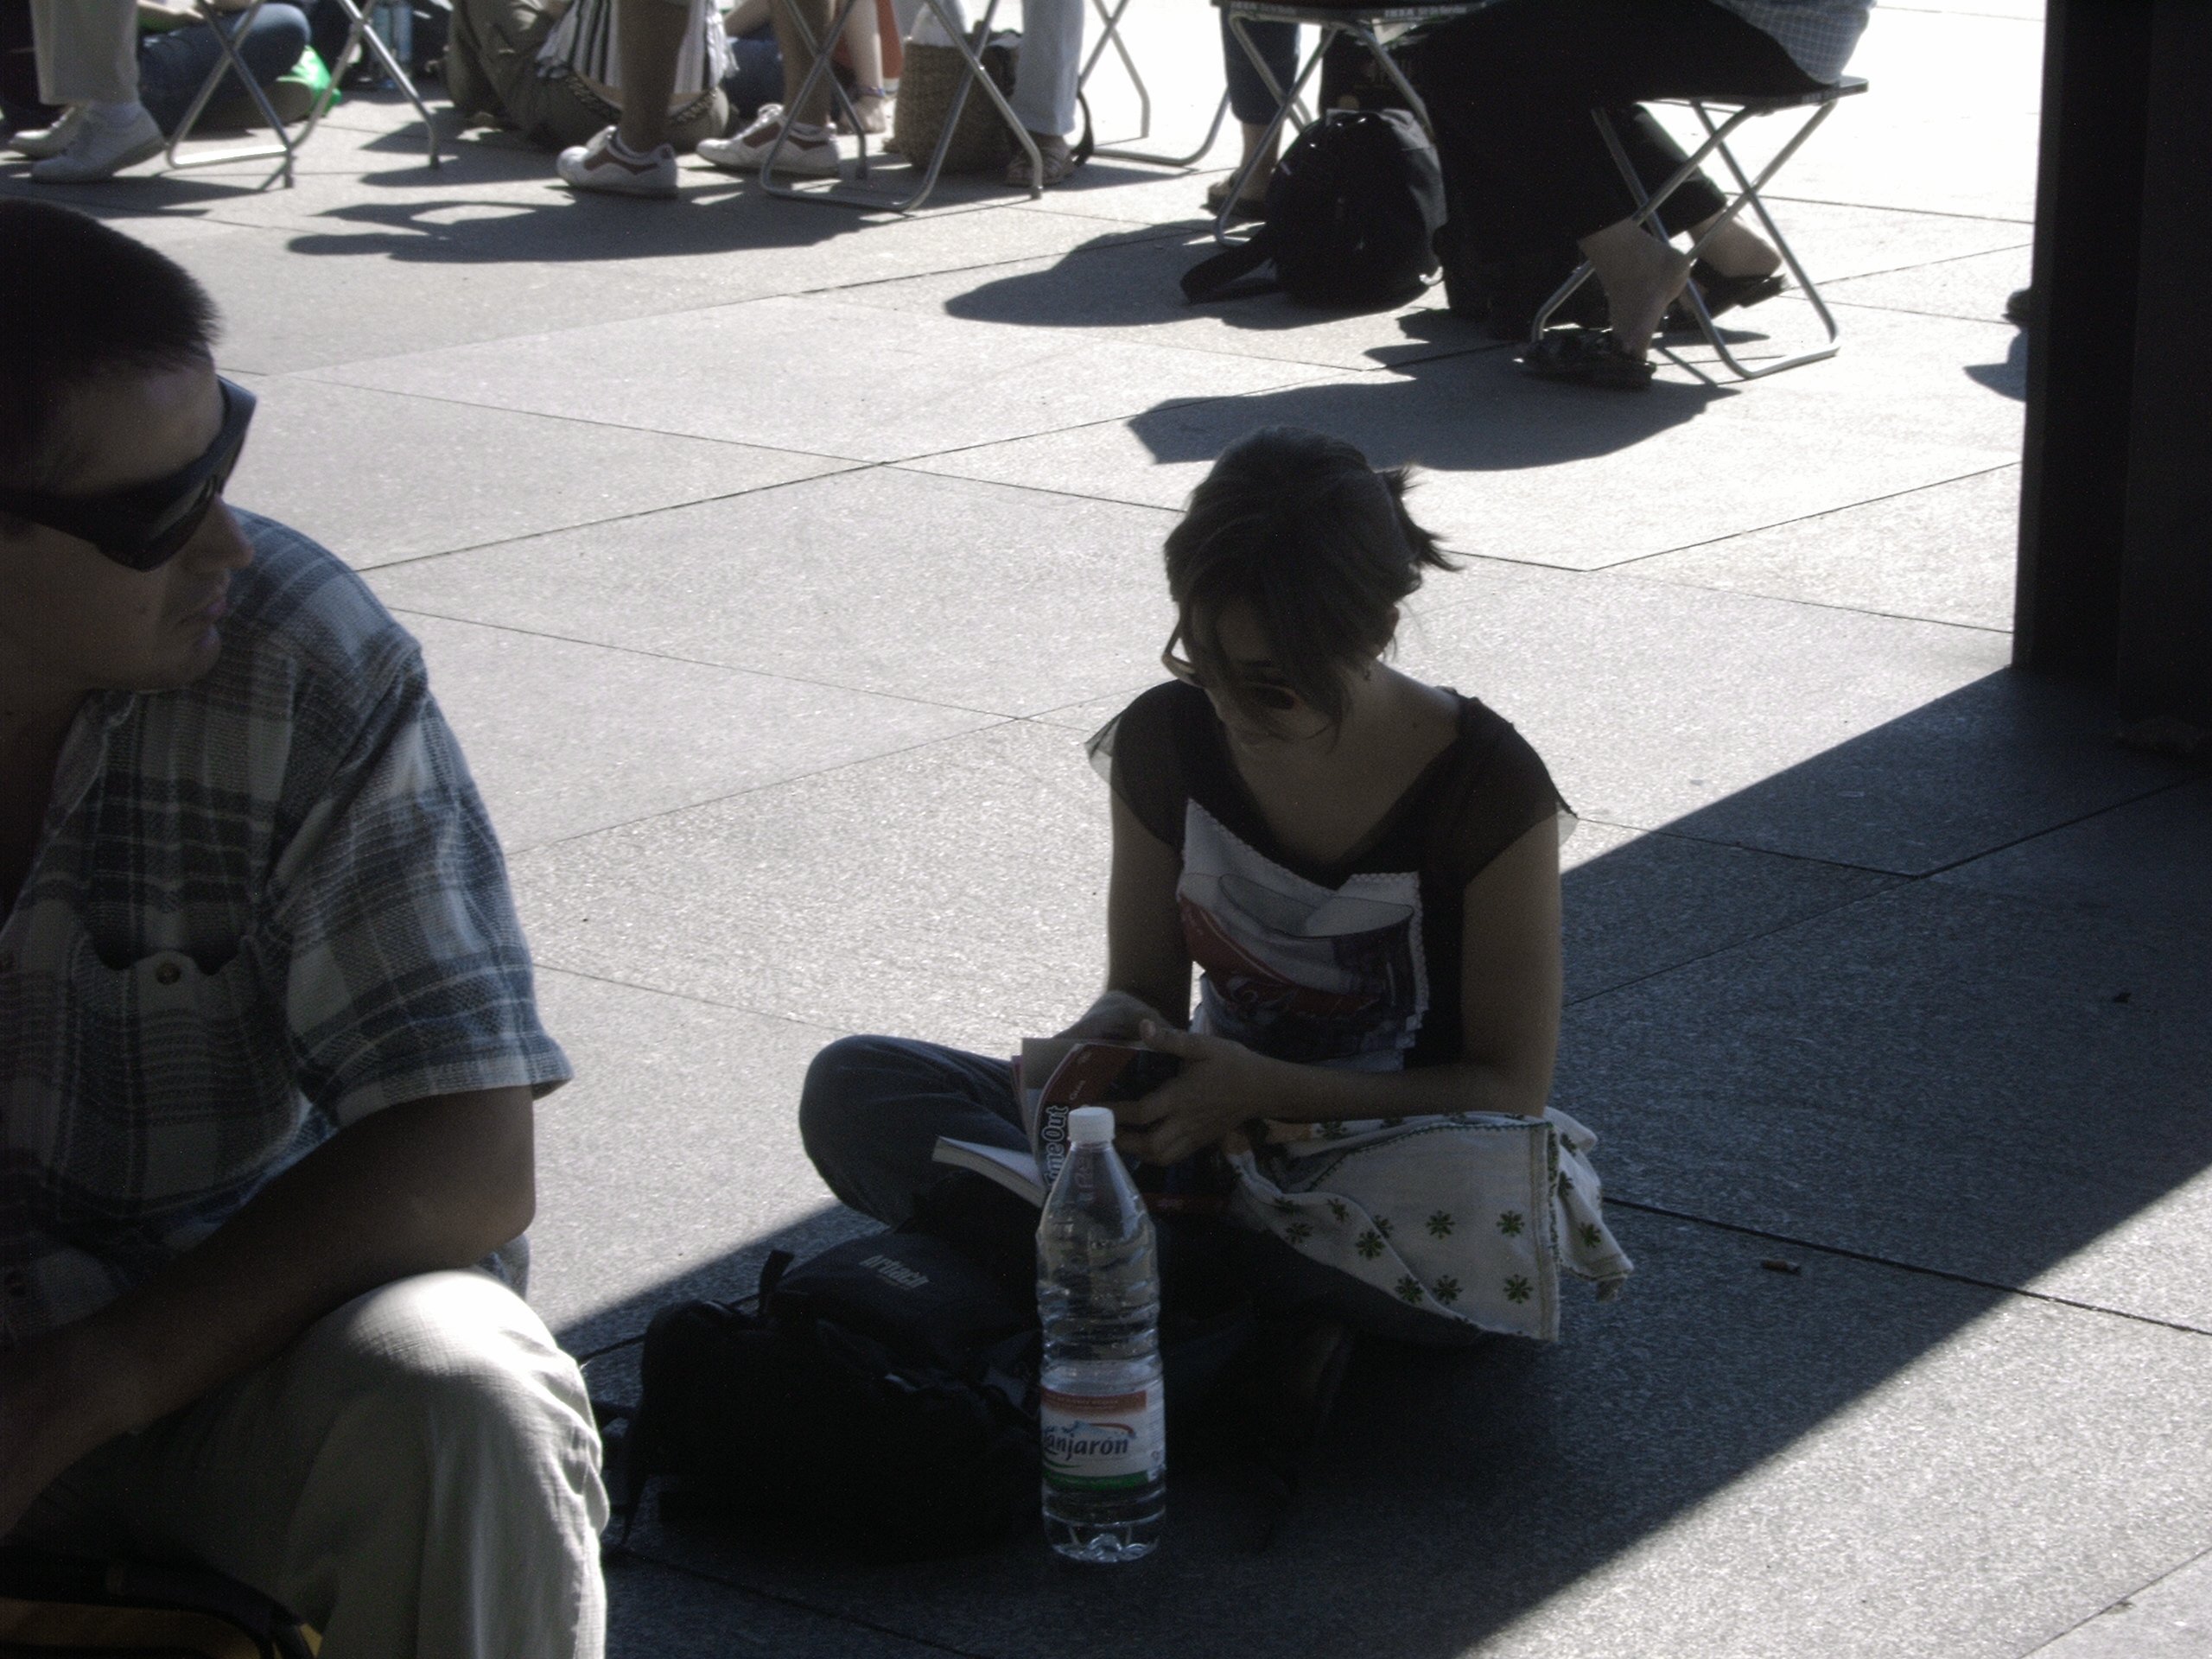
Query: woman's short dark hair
1298,526
79,300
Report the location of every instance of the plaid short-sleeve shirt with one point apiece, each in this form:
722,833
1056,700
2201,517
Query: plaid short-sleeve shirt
264,907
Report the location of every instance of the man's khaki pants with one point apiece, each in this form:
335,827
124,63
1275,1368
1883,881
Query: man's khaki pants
417,1476
87,50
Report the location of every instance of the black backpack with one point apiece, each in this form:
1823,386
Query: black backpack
1351,217
881,1400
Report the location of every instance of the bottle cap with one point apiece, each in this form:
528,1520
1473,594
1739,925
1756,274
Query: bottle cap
1091,1126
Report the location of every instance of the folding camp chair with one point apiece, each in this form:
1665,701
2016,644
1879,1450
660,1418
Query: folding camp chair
1377,27
1110,34
229,27
1821,101
860,196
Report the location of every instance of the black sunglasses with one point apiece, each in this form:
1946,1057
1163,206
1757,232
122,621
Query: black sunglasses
143,527
1266,694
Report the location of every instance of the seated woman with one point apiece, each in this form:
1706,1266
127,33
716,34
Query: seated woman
1365,870
1514,83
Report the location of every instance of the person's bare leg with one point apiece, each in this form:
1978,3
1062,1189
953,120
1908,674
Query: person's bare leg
864,41
798,62
1642,275
1737,250
648,37
1256,141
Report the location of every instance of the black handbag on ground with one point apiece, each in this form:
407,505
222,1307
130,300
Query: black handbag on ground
1351,216
881,1400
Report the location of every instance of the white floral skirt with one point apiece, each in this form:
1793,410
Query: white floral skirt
1471,1216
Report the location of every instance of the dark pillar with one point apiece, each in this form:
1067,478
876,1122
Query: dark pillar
2115,573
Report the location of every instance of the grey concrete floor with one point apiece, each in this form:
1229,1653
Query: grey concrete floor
773,561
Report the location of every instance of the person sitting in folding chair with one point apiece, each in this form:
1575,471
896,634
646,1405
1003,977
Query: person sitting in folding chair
1514,85
268,1041
127,70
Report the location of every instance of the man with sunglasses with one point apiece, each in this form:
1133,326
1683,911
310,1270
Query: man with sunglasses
268,1044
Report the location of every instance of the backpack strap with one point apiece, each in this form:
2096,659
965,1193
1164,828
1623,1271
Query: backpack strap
1211,279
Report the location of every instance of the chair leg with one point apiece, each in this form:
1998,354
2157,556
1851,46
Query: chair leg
1110,34
1749,195
1286,103
845,195
228,37
360,35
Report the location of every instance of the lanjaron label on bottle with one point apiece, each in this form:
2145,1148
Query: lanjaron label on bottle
1102,1442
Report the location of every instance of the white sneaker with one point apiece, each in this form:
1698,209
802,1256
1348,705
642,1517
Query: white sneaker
100,151
40,142
602,165
807,153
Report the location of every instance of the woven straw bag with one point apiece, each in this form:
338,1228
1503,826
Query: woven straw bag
932,79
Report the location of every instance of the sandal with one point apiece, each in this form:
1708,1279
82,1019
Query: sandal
868,107
1588,357
1721,293
1247,207
1058,160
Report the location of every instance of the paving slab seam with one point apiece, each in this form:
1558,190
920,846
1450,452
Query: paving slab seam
997,722
1784,523
1892,207
323,375
2166,788
1873,1260
997,716
2144,1589
1670,832
1838,304
906,462
1931,264
792,1602
1139,234
781,1018
1900,880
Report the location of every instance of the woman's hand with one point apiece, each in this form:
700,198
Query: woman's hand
1116,1016
1223,1086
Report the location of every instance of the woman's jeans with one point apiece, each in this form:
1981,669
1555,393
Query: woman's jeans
173,64
874,1106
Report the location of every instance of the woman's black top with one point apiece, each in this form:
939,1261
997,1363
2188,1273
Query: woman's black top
1353,964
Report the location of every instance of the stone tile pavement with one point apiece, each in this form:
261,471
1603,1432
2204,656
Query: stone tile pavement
772,561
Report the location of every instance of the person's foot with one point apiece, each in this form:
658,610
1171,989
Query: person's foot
1053,151
1251,204
39,142
607,165
1642,275
1735,249
867,109
102,149
810,152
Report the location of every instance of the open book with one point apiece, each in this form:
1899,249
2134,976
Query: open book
1053,1075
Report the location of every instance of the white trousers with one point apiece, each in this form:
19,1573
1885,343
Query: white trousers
87,50
417,1476
1051,59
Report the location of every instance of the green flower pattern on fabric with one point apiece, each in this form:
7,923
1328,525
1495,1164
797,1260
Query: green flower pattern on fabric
1370,1244
1591,1236
1337,1208
1285,1207
1409,1290
1518,1289
1382,1226
1330,1129
1510,1223
1299,1231
1394,1123
1446,1290
1439,1225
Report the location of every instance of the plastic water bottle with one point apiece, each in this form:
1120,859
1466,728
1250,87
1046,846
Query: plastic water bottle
1101,1400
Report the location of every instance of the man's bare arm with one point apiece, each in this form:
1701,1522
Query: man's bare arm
434,1183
